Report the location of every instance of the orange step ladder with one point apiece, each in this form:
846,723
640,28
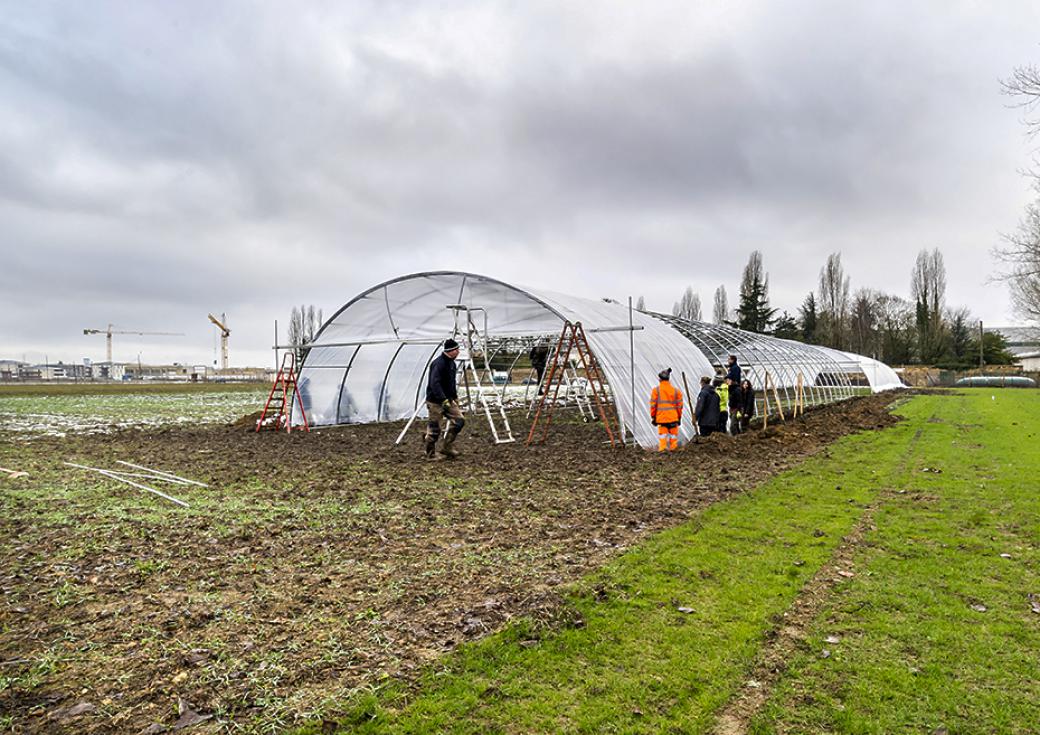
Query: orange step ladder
279,400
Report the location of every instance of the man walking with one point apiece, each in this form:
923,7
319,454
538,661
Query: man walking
442,402
666,405
706,412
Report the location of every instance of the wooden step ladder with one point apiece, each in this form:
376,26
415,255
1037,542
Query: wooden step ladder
573,339
279,400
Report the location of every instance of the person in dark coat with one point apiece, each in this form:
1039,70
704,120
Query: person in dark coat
747,403
706,412
442,403
736,407
733,370
539,357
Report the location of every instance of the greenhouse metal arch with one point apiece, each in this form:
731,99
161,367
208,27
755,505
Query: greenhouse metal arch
368,362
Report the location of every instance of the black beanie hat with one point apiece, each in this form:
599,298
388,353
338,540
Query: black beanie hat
665,374
450,344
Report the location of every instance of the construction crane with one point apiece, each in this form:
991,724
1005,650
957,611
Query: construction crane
109,332
224,334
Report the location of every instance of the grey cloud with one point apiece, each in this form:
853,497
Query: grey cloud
170,157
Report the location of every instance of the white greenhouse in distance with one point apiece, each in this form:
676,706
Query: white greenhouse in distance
368,362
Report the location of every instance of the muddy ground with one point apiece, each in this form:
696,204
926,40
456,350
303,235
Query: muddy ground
316,565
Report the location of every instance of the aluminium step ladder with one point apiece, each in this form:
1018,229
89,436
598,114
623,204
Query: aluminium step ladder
475,366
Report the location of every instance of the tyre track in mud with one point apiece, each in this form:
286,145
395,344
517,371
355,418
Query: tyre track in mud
790,634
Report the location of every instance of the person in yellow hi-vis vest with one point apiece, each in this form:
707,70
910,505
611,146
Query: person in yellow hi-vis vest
666,405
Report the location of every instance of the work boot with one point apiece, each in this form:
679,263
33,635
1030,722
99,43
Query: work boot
430,445
448,448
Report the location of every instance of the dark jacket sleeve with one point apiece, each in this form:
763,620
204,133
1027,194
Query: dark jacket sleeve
699,408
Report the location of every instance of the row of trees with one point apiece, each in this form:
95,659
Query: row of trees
869,322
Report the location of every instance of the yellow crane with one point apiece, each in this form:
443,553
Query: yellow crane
109,332
224,334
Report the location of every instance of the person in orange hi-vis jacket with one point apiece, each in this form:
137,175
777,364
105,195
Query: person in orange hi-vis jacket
666,405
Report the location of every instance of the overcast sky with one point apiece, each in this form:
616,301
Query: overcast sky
162,160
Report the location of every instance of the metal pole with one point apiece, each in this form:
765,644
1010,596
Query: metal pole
982,341
632,370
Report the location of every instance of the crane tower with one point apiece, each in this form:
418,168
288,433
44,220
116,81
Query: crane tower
224,334
109,332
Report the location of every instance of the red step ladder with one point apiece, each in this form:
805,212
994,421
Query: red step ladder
279,400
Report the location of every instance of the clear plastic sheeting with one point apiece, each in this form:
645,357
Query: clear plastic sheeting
823,378
369,361
880,376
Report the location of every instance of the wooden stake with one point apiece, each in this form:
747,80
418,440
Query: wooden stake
689,404
765,402
779,406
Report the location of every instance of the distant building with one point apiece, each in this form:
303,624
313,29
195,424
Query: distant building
1020,340
56,371
1029,361
108,371
174,373
11,369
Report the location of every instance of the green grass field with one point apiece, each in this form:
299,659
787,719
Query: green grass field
936,629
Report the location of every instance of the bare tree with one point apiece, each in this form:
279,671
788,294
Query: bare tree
896,330
640,304
1021,250
720,307
928,290
1024,86
689,306
928,280
863,322
1021,254
304,323
833,303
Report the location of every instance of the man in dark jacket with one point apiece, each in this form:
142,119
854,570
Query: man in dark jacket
736,406
733,370
539,357
707,411
442,402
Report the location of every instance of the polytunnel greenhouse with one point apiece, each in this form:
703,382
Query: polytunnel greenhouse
368,362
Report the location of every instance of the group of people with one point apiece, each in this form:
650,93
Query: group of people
725,404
